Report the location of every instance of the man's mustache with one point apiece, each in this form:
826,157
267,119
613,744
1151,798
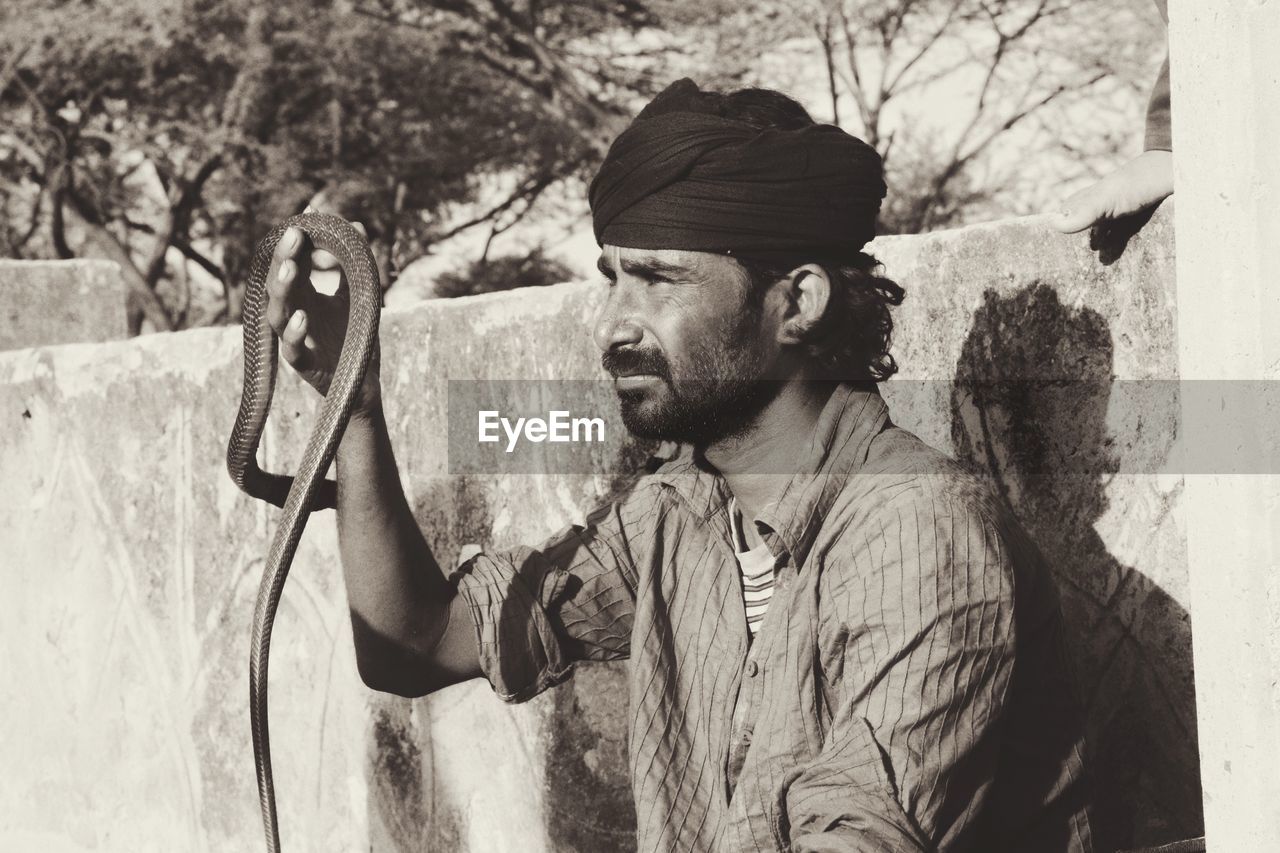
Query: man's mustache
629,362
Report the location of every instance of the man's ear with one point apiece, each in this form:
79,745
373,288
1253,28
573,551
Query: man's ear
808,292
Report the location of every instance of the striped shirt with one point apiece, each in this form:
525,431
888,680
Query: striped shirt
906,691
757,566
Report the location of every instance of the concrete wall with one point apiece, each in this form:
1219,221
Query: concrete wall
1226,83
131,564
60,302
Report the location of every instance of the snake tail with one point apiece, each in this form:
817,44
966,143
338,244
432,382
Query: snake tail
306,491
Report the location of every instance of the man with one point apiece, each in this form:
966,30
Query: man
838,639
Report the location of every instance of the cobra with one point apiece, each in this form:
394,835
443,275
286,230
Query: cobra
308,491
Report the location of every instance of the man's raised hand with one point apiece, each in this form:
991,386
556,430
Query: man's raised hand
311,325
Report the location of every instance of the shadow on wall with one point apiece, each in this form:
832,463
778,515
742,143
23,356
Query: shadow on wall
1045,444
586,793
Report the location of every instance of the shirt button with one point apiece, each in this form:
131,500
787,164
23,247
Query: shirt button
752,669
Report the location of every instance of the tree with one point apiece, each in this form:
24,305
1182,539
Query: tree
507,272
940,86
170,134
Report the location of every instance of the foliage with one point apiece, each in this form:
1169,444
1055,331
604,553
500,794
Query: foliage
242,112
508,272
169,135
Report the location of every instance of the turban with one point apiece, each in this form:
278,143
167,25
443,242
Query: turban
683,177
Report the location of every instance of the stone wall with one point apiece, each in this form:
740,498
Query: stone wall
132,563
60,302
1225,82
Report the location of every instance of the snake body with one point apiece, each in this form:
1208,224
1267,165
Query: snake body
308,490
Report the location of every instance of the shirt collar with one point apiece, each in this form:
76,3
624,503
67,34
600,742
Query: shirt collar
851,418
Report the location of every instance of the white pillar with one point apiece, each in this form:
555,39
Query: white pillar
1226,131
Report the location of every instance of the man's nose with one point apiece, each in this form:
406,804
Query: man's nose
616,324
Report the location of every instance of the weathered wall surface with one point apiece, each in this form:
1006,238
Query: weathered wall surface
1226,82
1084,455
60,302
131,564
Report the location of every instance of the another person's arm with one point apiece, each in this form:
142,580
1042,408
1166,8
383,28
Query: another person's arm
1143,182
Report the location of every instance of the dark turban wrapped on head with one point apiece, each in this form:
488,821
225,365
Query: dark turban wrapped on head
684,177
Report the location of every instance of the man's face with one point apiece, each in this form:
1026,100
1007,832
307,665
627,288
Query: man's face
688,346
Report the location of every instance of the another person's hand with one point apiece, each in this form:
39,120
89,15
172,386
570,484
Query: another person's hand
1138,185
312,325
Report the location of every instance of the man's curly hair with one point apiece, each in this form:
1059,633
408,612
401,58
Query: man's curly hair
851,339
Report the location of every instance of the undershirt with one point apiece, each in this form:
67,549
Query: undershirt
757,569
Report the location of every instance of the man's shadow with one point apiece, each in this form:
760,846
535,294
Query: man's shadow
1046,446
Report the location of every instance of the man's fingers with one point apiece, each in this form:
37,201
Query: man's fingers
293,341
324,261
1133,188
289,290
282,299
288,244
288,247
279,287
289,280
1078,212
303,260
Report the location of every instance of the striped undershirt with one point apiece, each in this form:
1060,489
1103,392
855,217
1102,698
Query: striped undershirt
756,566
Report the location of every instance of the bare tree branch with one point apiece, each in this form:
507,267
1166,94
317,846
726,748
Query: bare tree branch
828,54
1022,113
184,246
177,218
505,39
112,249
929,43
869,116
57,222
529,189
10,69
941,181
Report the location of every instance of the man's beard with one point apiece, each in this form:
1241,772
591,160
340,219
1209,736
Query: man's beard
721,395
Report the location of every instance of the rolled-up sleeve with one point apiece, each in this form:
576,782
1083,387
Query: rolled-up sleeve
539,610
926,650
1159,136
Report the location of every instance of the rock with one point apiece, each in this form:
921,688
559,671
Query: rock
60,302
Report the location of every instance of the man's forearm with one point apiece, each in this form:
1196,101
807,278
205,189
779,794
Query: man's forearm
399,598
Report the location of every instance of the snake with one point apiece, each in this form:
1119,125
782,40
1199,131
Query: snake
300,495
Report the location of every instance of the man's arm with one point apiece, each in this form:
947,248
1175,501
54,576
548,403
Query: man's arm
412,634
926,613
